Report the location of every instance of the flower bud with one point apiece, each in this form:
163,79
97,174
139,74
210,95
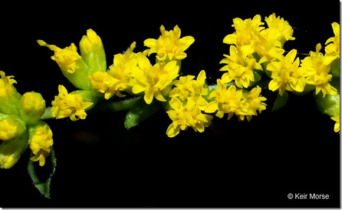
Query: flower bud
32,106
10,127
92,52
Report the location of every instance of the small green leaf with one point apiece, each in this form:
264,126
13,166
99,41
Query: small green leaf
280,102
41,176
140,112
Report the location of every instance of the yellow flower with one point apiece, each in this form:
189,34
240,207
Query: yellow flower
104,83
224,100
252,103
279,28
169,45
67,58
286,75
11,127
246,34
152,80
40,143
6,84
187,88
69,105
332,48
240,68
186,115
317,72
120,74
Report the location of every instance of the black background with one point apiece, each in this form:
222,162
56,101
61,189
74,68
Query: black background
231,164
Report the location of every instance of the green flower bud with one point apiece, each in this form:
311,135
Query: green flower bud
92,52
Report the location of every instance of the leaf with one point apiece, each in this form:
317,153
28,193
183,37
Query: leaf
140,112
41,176
280,102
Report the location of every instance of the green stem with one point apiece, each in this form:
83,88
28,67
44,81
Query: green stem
118,105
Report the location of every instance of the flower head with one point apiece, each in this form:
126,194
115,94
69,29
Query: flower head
169,45
246,34
278,29
153,80
286,75
252,104
40,143
187,88
184,115
224,100
67,58
239,67
317,72
69,105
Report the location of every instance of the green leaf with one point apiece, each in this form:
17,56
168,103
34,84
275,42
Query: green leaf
140,112
280,102
41,176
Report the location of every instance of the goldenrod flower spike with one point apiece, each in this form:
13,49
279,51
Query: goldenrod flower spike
69,105
40,142
169,45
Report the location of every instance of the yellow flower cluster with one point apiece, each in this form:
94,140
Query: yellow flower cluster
187,104
256,49
251,45
19,116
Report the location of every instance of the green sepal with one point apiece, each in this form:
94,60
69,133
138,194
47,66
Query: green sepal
140,112
80,77
280,101
42,176
10,104
96,60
